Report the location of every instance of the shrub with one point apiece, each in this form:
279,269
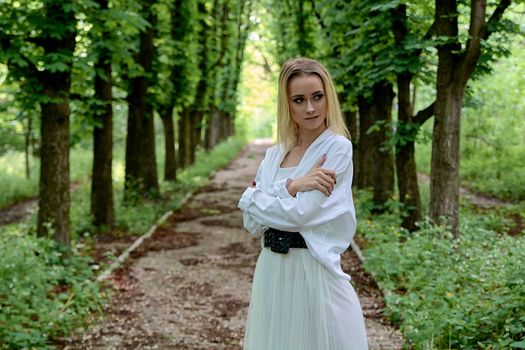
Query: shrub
467,293
46,290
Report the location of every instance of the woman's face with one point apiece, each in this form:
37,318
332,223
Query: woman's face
307,100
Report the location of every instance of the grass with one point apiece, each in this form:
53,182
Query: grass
15,187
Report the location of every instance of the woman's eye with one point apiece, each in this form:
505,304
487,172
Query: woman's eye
298,100
318,97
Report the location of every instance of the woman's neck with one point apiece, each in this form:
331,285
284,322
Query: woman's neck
306,137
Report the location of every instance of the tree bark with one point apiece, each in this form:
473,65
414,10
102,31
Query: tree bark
223,126
141,165
196,119
212,128
365,145
185,134
27,143
102,207
405,157
53,214
405,150
54,202
383,160
170,165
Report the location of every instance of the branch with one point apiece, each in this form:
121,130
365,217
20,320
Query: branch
479,30
425,114
478,9
496,17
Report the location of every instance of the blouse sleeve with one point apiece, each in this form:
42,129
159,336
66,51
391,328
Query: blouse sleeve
307,209
249,221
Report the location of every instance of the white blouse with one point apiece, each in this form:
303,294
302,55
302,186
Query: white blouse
327,223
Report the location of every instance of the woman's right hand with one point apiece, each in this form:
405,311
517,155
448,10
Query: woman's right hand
317,179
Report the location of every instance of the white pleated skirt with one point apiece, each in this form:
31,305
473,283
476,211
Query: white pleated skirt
297,304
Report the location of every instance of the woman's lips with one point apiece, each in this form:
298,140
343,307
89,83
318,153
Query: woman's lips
312,117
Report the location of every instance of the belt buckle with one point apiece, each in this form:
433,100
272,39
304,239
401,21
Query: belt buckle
280,242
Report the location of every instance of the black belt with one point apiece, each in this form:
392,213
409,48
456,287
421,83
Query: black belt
280,241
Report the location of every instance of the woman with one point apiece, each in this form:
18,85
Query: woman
301,205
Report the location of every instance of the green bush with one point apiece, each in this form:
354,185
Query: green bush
45,291
467,293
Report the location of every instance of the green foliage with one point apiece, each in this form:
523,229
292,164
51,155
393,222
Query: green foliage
46,290
175,62
448,294
293,28
361,43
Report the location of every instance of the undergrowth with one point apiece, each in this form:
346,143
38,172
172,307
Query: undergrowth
446,293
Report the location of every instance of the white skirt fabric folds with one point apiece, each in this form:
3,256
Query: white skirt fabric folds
297,304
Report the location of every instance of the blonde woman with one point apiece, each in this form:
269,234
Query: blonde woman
301,206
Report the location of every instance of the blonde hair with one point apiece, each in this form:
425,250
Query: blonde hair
286,126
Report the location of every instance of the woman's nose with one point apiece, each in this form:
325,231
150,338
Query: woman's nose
310,107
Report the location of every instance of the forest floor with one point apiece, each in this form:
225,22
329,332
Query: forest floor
188,286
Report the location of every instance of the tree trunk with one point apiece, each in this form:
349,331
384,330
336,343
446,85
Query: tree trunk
212,128
102,208
223,126
383,160
405,150
170,166
196,130
53,214
405,157
54,202
150,176
455,67
27,143
185,135
141,165
365,145
444,177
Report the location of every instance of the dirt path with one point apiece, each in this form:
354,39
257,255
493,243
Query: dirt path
188,286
